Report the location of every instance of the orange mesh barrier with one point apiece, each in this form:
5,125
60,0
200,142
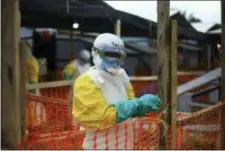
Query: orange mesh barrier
57,92
202,128
47,115
50,126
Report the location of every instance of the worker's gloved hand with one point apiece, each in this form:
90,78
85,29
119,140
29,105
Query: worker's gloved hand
67,76
148,103
126,109
137,107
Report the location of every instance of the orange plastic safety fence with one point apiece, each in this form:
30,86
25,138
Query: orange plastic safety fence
57,92
200,130
45,114
50,126
134,134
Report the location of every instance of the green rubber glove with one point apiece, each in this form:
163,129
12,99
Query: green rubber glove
137,107
126,109
148,103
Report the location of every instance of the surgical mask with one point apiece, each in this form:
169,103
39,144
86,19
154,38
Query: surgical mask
108,64
111,65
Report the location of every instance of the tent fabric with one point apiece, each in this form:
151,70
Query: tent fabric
185,28
214,27
94,16
78,8
90,14
182,21
217,31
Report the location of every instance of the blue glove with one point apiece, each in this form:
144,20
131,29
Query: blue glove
126,109
148,103
137,107
67,76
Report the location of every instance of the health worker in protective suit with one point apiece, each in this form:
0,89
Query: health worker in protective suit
103,96
78,66
32,67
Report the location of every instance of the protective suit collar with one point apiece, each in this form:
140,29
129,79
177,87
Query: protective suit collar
99,76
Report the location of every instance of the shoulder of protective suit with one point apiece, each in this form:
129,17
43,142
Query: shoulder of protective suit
95,76
83,79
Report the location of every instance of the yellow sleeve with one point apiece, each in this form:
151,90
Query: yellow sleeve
69,69
89,105
130,92
32,69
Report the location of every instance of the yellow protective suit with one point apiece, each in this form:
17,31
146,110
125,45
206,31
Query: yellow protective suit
90,107
93,94
69,69
32,66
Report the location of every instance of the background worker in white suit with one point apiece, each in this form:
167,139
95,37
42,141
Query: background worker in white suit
103,96
78,66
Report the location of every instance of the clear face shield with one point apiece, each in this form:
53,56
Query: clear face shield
111,58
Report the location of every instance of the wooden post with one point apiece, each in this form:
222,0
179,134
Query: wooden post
23,82
118,27
16,66
172,109
221,134
223,49
11,120
163,46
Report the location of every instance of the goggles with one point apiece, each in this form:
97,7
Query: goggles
110,52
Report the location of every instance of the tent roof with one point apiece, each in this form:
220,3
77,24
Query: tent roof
53,13
217,31
182,21
75,8
94,16
214,27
